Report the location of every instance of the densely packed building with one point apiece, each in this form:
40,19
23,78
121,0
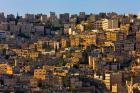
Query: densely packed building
70,53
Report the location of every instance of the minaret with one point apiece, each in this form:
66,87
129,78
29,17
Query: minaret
17,18
138,16
15,62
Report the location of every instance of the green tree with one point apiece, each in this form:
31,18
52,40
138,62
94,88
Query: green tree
89,26
62,62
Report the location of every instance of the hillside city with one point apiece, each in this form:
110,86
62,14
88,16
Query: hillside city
70,53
